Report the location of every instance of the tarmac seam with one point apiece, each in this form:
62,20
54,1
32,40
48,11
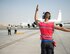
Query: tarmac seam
63,45
10,43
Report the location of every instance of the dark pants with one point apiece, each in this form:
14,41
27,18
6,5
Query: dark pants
47,48
9,31
15,32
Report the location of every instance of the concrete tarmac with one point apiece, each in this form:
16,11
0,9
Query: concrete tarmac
29,42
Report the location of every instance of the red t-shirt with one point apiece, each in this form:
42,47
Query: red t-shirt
46,30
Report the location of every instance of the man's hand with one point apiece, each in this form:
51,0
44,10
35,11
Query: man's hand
37,8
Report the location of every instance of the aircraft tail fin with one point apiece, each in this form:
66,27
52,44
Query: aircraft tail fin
59,16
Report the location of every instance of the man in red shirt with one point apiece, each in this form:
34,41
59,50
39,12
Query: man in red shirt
46,30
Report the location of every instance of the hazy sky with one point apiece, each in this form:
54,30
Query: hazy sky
17,11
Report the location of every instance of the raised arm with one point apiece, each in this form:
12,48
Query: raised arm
36,15
61,28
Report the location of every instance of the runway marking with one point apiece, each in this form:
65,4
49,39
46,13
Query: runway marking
8,44
19,32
